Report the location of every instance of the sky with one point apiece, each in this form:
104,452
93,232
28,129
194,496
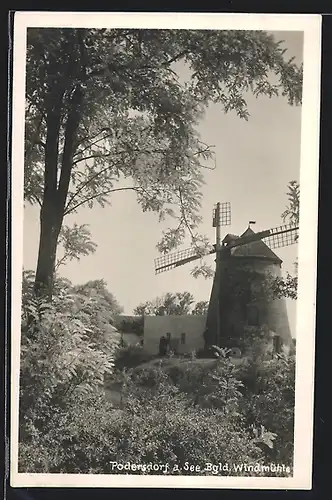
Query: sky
255,160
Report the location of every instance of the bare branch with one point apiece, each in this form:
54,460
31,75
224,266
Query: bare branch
85,183
60,262
100,194
207,148
93,143
88,181
90,157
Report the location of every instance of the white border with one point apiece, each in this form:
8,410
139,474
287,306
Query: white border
305,327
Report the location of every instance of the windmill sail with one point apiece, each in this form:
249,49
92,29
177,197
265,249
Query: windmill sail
222,214
176,259
277,237
282,236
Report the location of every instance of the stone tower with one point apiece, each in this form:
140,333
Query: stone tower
241,294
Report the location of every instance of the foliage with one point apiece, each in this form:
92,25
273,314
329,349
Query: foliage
270,402
75,242
108,111
247,284
130,324
131,356
169,304
201,308
67,348
203,270
97,290
292,212
155,424
214,384
170,412
285,286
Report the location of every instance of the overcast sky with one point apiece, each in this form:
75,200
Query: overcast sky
255,162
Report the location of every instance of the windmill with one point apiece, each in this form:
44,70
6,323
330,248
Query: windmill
237,298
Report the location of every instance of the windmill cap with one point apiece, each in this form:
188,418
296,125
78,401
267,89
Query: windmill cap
230,237
253,249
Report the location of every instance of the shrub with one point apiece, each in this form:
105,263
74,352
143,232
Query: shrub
164,427
132,356
269,401
66,352
157,425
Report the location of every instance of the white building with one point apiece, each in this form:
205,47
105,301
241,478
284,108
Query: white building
185,332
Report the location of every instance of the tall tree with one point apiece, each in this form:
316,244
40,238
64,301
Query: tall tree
107,111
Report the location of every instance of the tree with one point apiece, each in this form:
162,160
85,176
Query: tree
292,212
97,290
169,304
287,286
106,112
201,308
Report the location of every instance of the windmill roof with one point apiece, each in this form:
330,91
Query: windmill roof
230,237
254,249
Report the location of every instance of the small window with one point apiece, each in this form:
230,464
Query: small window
276,343
253,316
183,338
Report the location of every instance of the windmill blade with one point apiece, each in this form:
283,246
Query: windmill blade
222,214
277,237
225,213
282,236
176,259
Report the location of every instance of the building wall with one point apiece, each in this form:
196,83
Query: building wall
157,326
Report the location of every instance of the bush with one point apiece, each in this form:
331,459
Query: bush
270,400
164,427
132,356
157,425
66,352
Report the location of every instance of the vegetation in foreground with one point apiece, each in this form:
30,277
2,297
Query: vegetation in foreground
169,412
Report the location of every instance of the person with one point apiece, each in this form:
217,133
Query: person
168,341
206,338
163,346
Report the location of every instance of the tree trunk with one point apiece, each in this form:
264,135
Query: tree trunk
49,233
55,194
44,273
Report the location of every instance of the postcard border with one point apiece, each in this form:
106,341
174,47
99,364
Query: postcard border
307,255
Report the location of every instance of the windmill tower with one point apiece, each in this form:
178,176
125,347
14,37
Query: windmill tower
241,297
